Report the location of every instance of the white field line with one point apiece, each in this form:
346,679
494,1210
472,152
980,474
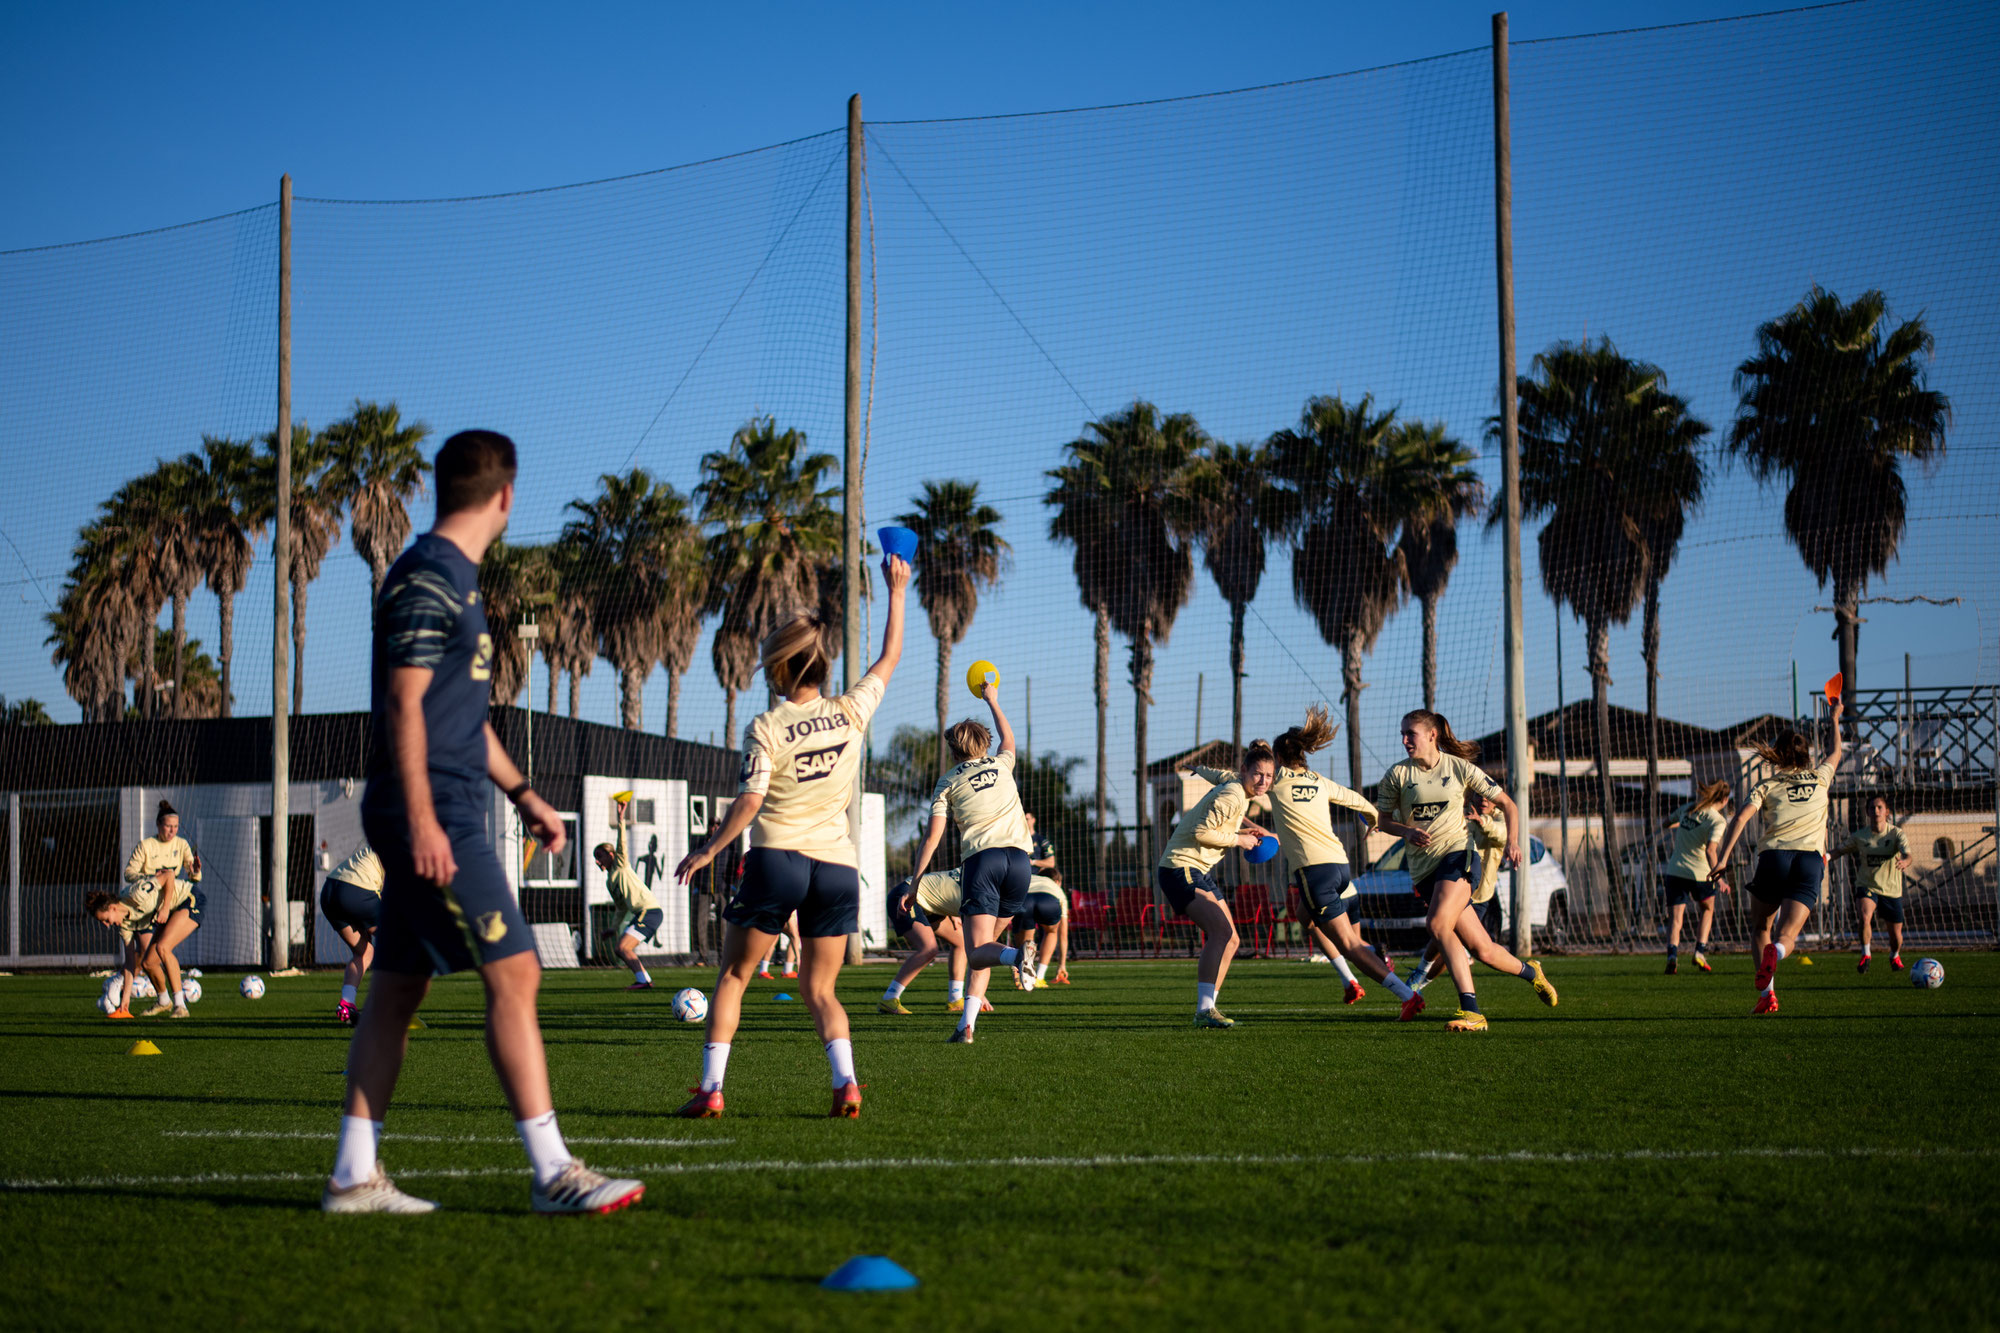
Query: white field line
329,1137
1636,1156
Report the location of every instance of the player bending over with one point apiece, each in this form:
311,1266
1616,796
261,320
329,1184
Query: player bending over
158,908
446,905
980,796
1791,854
1212,826
351,899
1042,931
1884,854
925,916
799,770
641,910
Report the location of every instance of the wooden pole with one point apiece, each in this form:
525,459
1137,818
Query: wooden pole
281,564
1520,770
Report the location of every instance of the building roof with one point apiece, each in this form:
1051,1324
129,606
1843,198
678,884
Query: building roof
1574,729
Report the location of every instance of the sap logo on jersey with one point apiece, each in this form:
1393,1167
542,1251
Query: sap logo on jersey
835,722
811,765
1803,791
1428,811
1304,795
984,778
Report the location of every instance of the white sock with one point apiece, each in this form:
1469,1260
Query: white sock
970,1018
639,975
1398,987
1204,996
958,990
180,997
714,1063
544,1142
895,991
1042,972
840,1055
1782,950
347,994
1419,979
1346,972
354,1160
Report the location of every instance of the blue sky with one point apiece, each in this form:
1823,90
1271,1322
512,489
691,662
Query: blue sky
1224,256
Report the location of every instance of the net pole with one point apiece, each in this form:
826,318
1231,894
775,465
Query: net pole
1520,769
1994,697
281,547
851,466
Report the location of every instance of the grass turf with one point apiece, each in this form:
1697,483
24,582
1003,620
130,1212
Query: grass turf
1646,1153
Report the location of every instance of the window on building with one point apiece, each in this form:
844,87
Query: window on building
558,871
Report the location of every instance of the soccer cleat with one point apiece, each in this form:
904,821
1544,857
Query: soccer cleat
160,1006
846,1102
791,972
1412,1007
1544,990
959,1037
179,1011
702,1106
1895,962
764,973
1213,1018
894,1007
1466,1022
581,1190
1767,1003
1862,966
1673,964
1351,992
1024,967
1701,961
1767,967
1030,955
954,1006
343,1013
374,1195
640,985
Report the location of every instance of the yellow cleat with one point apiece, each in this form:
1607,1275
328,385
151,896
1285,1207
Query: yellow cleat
1545,991
1465,1022
1213,1018
893,1007
955,1007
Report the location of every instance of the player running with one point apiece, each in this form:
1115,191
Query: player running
641,910
1212,826
351,899
980,797
800,764
446,904
1422,799
1884,854
1302,803
1791,854
1694,870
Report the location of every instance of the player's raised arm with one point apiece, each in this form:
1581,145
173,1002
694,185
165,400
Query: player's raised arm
896,573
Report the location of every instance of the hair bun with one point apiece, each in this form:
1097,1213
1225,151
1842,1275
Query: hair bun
166,808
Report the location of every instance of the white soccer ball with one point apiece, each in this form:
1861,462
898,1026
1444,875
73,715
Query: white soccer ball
690,1006
1928,974
252,987
191,989
194,971
142,988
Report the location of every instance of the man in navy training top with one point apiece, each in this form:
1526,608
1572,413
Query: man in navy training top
446,905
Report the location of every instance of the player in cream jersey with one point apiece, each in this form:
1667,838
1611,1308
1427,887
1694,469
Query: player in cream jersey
1791,854
1212,826
799,771
161,903
926,915
1693,870
351,899
1882,854
980,797
1422,799
640,915
1302,805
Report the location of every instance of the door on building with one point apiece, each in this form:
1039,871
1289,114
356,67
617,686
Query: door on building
303,871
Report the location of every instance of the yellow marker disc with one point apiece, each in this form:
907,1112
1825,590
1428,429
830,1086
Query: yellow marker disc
979,675
143,1048
416,1025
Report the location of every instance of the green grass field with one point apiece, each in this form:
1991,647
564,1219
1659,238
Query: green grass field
1647,1154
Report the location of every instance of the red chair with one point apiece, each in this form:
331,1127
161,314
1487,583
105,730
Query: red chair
1255,923
1087,912
1132,911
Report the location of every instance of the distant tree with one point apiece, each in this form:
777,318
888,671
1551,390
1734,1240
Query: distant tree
1429,540
24,713
961,554
374,468
221,481
1230,485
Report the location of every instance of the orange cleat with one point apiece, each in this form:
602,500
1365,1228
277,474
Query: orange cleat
1767,1003
846,1102
702,1106
1352,992
1412,1007
1767,966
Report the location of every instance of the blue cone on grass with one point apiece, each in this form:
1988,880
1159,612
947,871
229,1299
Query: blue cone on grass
870,1272
780,996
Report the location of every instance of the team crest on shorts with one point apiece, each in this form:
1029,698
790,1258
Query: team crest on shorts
492,927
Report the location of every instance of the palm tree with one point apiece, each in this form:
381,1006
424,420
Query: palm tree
1346,484
513,580
24,713
373,468
568,636
1230,485
775,538
220,504
1429,541
733,654
95,625
153,554
1608,455
636,535
198,691
1082,500
315,528
1833,401
962,554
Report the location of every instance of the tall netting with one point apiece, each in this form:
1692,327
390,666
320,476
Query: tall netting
1218,370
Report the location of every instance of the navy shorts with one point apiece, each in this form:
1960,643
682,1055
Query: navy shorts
777,883
644,924
996,882
1320,888
1795,877
904,919
426,930
350,905
196,901
1455,865
1178,883
1889,909
1043,909
1488,914
1680,888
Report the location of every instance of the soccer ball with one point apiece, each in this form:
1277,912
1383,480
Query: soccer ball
1928,974
252,987
191,989
690,1006
142,988
194,971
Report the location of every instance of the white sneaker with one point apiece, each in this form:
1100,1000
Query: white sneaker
581,1190
1024,966
179,1011
375,1195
